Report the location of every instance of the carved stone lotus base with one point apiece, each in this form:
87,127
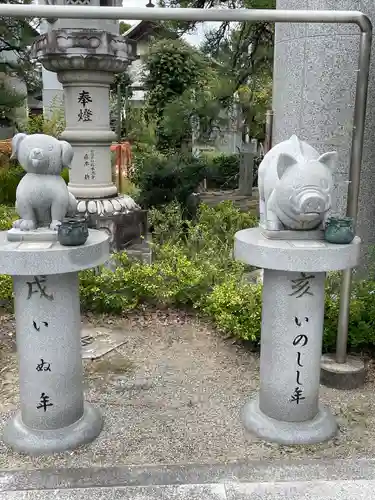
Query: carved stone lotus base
106,206
120,216
38,235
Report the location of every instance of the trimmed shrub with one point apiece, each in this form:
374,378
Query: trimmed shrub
223,171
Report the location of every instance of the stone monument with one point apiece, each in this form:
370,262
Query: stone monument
295,186
86,54
314,88
53,416
314,84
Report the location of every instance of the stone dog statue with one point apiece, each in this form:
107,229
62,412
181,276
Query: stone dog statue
295,186
42,197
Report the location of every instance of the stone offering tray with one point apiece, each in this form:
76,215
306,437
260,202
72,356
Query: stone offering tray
287,409
53,415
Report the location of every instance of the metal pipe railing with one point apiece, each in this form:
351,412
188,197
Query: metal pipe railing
242,15
269,131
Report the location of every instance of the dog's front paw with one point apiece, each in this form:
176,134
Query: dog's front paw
55,225
27,225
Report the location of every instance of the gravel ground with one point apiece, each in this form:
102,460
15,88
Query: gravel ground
173,394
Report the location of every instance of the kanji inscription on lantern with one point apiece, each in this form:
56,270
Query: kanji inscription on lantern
92,164
84,113
84,98
86,164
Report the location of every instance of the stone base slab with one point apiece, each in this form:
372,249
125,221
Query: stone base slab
253,248
293,235
345,376
40,234
322,428
45,442
36,258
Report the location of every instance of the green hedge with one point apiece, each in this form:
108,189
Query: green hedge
192,268
222,171
10,177
162,179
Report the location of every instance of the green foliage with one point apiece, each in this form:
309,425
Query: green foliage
65,175
10,176
16,37
193,268
10,172
182,86
223,171
6,291
136,128
9,101
361,332
7,216
123,27
190,260
162,179
53,125
236,309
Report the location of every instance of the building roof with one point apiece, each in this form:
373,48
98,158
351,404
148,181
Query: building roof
143,29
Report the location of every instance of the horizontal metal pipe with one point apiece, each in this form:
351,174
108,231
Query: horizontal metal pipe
271,15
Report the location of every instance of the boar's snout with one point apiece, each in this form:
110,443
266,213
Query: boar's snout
313,203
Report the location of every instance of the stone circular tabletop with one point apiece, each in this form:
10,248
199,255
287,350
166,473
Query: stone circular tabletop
253,248
30,258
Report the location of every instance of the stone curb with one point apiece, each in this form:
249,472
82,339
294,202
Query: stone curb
244,472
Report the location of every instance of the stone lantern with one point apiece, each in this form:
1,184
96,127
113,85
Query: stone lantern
86,54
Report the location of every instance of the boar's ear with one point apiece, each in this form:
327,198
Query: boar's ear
329,160
296,143
284,161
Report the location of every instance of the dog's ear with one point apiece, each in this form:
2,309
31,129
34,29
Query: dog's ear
16,142
66,154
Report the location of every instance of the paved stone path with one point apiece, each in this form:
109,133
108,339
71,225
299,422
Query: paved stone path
314,480
319,490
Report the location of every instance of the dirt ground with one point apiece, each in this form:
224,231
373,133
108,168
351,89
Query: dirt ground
173,394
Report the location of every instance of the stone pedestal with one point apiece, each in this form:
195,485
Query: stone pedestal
287,408
53,416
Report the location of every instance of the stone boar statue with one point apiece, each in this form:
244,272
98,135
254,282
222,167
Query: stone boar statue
295,185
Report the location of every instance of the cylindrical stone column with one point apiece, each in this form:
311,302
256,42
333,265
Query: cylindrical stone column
314,82
86,97
291,345
287,408
53,415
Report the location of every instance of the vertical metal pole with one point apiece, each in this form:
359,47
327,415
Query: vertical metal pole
269,131
354,186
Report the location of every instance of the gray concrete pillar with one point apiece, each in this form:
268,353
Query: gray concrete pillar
315,73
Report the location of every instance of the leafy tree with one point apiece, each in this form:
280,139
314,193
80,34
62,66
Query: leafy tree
182,85
124,27
16,37
9,101
245,52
